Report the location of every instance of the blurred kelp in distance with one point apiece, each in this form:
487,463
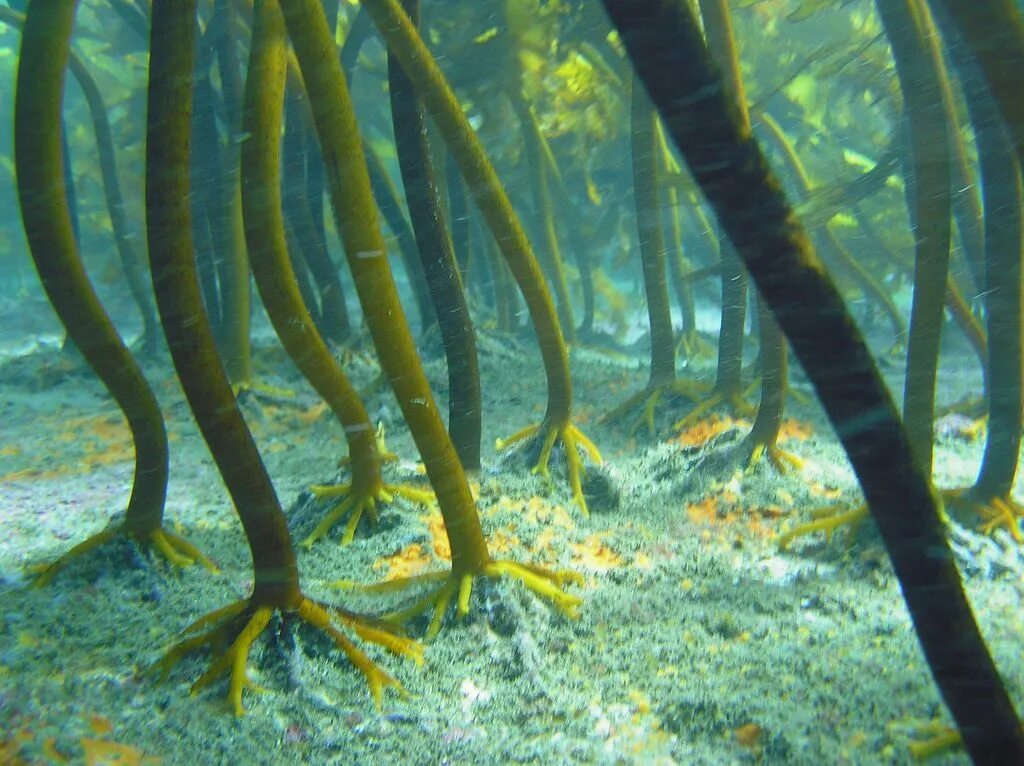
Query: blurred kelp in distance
592,193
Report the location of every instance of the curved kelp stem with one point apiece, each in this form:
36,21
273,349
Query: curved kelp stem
131,261
663,39
38,155
991,497
386,195
994,33
965,200
439,263
268,256
762,441
920,70
209,394
359,31
1004,204
493,202
356,216
384,188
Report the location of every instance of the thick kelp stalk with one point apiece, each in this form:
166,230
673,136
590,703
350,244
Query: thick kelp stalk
1004,249
356,216
358,32
131,260
39,161
348,182
232,629
920,71
993,30
384,189
966,202
493,202
663,39
262,208
388,201
439,264
185,323
313,162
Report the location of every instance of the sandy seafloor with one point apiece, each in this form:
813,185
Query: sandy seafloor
699,641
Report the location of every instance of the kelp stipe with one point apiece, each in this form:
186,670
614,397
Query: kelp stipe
663,37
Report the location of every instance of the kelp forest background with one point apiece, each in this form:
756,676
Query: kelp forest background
540,381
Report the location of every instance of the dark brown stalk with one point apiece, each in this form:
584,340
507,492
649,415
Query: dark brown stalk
993,31
1004,248
439,265
663,39
188,331
920,73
